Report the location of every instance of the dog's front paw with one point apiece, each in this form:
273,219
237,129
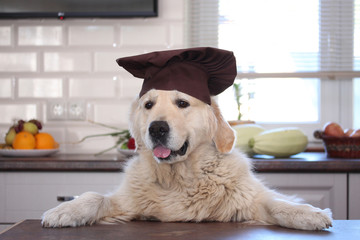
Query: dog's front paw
61,216
316,219
78,212
304,217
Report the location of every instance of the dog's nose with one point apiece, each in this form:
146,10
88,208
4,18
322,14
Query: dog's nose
159,129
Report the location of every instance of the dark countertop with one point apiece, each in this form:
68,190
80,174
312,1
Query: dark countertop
306,162
303,162
64,162
31,230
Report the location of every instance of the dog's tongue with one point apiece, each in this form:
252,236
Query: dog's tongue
161,152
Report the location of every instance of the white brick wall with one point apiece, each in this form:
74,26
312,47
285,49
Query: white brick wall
47,61
39,35
18,61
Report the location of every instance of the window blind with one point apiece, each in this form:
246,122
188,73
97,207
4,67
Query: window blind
322,38
336,35
357,35
203,23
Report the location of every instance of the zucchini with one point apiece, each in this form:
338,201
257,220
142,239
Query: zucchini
279,142
244,132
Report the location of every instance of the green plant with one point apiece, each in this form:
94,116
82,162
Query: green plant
237,94
123,137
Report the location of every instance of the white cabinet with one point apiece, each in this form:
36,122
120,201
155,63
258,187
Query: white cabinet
354,196
26,195
2,197
320,190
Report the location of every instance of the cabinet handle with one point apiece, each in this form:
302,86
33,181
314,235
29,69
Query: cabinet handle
66,198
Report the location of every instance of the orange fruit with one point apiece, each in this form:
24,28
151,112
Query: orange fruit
24,140
45,141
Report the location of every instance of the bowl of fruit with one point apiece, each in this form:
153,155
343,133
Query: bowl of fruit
339,143
25,139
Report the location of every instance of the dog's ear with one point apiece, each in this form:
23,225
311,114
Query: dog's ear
224,138
134,130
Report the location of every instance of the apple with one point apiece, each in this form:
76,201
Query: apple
31,128
356,133
333,129
37,123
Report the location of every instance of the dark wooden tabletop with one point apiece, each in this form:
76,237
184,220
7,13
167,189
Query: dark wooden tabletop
32,230
303,162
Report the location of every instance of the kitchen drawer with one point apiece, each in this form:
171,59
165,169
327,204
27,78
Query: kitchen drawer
26,195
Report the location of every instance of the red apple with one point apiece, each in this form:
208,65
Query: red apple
356,133
333,129
348,132
131,144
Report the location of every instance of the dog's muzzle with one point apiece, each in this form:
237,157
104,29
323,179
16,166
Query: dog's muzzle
159,132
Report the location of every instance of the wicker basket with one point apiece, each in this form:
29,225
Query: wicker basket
340,147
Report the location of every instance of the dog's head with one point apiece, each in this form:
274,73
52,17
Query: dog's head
173,124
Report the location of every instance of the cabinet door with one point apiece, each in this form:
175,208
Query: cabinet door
354,196
28,194
319,190
2,197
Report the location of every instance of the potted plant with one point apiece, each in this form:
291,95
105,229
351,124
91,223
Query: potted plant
238,94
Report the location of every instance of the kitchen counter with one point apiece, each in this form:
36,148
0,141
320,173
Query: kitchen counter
306,162
303,162
64,162
31,229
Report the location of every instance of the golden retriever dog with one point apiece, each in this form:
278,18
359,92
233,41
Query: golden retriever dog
186,170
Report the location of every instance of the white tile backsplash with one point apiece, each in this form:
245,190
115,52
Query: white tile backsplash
5,36
176,35
40,35
91,35
114,112
129,86
18,62
134,35
17,111
46,61
6,90
172,9
106,61
40,88
67,62
93,87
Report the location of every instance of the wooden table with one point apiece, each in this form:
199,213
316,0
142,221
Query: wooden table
32,230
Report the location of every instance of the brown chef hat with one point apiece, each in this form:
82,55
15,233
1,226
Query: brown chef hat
199,72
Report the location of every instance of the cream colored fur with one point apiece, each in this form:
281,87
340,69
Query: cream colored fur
211,182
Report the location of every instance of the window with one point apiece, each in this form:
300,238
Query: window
298,61
356,107
267,44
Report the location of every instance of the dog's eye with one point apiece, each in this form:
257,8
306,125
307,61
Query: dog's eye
182,104
149,104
